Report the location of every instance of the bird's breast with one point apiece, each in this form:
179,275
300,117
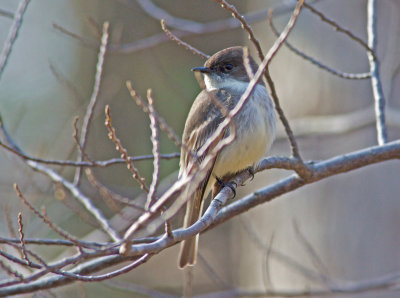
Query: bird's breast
255,132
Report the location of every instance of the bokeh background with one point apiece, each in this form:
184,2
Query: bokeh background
351,221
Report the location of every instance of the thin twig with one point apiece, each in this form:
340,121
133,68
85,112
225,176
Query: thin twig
246,63
108,275
160,120
45,219
107,193
72,163
151,197
93,99
61,78
21,238
375,79
344,75
83,199
17,260
159,38
12,34
340,123
180,42
7,216
85,41
312,253
7,14
124,153
211,273
61,242
77,142
11,272
340,28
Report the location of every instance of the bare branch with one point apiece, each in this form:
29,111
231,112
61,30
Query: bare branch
312,253
206,28
161,121
75,135
340,123
339,28
21,238
375,79
124,153
108,275
12,34
344,75
17,260
77,193
45,219
135,288
156,147
107,193
85,41
61,242
104,163
320,170
60,77
93,98
11,272
7,14
181,42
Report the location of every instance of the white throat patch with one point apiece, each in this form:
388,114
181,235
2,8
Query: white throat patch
213,83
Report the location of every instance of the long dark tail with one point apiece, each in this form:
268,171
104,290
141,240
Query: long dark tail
188,252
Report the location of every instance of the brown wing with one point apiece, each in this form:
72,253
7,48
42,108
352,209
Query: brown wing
203,119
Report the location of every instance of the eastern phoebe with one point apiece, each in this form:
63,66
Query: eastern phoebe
225,79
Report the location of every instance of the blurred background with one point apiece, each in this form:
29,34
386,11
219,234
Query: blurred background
350,221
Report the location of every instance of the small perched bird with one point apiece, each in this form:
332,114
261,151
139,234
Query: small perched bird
225,79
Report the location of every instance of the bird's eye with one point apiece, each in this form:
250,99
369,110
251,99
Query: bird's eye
228,67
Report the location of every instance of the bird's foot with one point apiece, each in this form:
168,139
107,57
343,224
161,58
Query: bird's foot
231,185
251,171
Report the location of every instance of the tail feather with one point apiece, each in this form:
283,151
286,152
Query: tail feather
188,252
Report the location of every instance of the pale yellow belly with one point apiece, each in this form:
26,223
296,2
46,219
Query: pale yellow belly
241,153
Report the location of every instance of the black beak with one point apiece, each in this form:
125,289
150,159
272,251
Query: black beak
201,69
